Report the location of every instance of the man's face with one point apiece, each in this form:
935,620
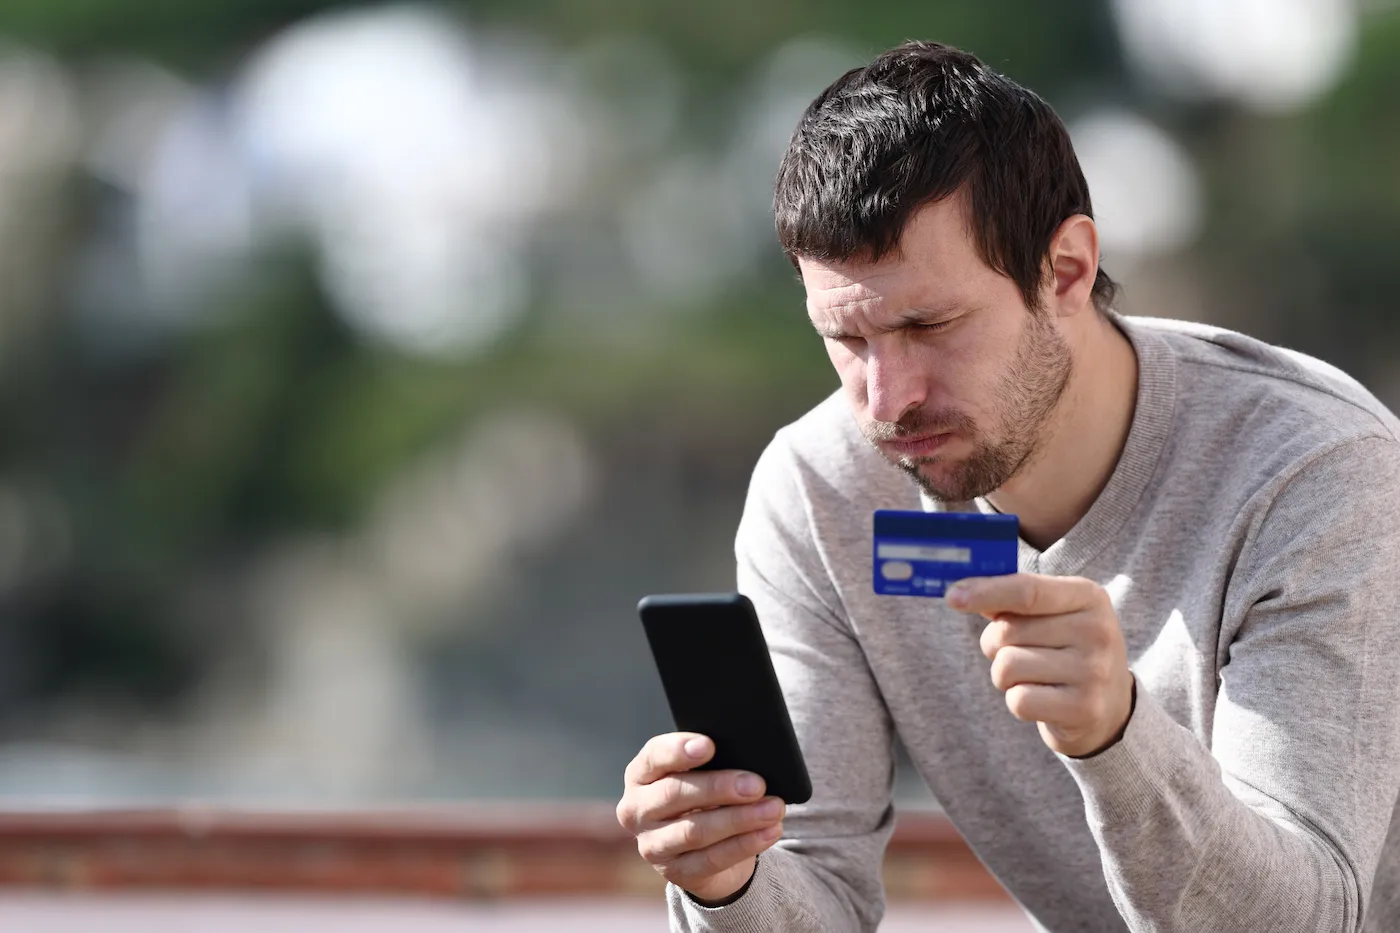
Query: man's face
949,374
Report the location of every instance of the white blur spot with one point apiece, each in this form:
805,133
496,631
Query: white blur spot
439,285
1146,194
194,212
182,227
701,222
417,164
1271,55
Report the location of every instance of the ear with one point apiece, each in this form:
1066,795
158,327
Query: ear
1073,260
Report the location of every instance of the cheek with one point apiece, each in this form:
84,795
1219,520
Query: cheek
851,370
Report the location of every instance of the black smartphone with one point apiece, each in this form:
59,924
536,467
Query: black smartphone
719,681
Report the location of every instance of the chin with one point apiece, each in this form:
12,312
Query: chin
949,482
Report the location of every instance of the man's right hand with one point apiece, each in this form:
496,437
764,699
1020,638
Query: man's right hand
701,830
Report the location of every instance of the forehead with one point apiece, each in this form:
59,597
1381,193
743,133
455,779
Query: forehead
936,262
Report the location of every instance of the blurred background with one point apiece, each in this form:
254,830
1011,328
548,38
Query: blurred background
361,366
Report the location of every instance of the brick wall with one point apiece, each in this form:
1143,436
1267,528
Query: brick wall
493,852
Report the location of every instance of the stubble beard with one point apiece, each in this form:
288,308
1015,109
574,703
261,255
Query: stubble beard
1025,398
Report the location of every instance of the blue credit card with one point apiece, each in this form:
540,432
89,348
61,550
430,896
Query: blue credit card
923,553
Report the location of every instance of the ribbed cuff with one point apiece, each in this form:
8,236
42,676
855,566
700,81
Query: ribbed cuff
753,912
1123,784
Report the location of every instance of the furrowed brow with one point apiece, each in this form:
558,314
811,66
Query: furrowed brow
831,333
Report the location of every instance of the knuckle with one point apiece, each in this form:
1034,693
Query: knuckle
639,766
692,834
994,635
648,849
999,676
676,873
669,793
1018,701
1001,634
988,643
626,814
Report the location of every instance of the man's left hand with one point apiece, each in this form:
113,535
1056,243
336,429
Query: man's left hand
1057,653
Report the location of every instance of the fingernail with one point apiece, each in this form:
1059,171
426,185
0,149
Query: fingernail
750,785
772,832
769,809
695,748
957,595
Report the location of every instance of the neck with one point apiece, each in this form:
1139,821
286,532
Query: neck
1082,442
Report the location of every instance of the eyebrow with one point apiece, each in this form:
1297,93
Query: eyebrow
910,318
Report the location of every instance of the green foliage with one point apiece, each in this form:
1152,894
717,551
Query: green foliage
271,420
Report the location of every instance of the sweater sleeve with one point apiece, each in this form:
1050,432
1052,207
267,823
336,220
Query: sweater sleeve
1278,826
824,875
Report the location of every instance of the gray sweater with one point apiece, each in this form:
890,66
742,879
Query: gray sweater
1250,539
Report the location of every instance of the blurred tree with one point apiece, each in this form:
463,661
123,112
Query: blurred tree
213,443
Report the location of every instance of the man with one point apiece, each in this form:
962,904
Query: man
1189,719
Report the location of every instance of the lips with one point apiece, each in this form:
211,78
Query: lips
916,447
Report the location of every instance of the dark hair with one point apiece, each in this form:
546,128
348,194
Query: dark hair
913,127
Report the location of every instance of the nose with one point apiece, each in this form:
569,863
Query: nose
893,385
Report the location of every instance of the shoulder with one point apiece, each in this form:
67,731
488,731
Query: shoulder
1263,392
1249,416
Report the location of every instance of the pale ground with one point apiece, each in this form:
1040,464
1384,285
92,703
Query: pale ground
38,912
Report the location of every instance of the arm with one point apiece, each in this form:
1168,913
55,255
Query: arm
1279,825
824,876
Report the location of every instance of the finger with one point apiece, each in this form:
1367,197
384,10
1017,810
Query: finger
723,855
678,794
704,829
668,754
1043,703
1026,594
1030,632
1015,665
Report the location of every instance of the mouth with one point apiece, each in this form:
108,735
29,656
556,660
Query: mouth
913,448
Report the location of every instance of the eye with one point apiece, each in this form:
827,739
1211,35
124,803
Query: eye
934,327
